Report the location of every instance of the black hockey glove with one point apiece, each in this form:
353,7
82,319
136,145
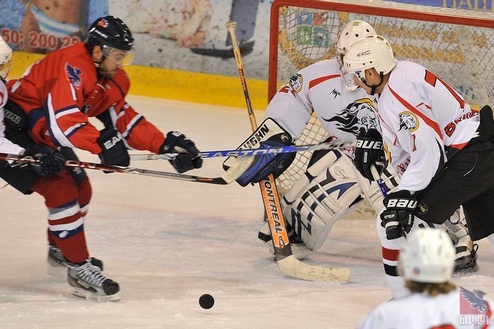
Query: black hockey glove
399,214
113,149
266,164
51,161
369,152
188,157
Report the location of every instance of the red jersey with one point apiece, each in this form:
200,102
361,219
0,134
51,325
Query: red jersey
61,91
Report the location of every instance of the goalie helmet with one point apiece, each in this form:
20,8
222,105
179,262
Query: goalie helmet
112,32
371,52
428,255
354,31
5,58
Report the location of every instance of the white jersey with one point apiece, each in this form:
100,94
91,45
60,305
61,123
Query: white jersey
456,309
321,89
6,146
424,122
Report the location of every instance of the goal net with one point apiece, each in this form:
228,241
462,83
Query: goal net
457,45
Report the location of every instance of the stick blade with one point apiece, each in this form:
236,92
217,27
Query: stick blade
292,267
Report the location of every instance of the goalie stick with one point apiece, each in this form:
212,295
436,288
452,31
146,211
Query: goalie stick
228,177
287,263
249,152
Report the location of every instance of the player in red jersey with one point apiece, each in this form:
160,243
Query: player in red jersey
51,105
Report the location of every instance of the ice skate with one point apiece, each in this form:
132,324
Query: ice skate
88,282
57,260
466,259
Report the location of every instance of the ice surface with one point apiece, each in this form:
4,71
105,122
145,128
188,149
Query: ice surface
168,242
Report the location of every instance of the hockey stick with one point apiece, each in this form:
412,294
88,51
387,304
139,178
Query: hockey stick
287,263
249,152
378,179
228,177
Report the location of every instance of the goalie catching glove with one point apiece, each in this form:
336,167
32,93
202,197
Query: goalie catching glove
369,152
188,157
398,216
268,135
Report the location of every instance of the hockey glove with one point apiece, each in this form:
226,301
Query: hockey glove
398,217
369,152
188,155
113,149
266,164
51,161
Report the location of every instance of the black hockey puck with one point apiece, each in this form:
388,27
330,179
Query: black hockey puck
206,301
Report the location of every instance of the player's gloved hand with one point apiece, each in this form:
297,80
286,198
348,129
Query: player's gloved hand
266,164
369,151
399,214
113,149
51,161
188,157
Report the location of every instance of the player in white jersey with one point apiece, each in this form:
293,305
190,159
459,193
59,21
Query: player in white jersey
6,146
443,150
426,261
331,189
49,159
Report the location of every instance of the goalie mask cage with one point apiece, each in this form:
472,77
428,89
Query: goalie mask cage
455,44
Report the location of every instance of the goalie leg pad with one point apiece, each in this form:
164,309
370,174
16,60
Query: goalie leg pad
268,135
373,192
316,202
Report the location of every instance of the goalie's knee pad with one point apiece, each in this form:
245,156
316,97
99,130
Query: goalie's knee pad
268,135
323,195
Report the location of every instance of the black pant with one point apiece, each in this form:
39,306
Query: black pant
467,180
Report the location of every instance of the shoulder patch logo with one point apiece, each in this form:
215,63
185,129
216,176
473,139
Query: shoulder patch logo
296,82
73,75
408,121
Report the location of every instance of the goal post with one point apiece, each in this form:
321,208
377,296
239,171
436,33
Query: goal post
455,44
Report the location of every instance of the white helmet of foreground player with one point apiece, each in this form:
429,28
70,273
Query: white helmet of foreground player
5,58
354,31
371,52
427,255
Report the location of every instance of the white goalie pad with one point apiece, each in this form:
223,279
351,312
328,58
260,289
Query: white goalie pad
373,192
321,197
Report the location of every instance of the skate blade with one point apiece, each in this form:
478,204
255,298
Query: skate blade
86,294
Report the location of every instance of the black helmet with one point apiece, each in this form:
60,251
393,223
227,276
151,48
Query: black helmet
110,31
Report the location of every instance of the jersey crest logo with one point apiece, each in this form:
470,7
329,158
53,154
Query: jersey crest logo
408,121
73,75
357,116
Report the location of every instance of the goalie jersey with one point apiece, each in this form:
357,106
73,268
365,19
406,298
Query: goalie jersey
61,91
321,89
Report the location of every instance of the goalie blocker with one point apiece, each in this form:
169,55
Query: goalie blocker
269,134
